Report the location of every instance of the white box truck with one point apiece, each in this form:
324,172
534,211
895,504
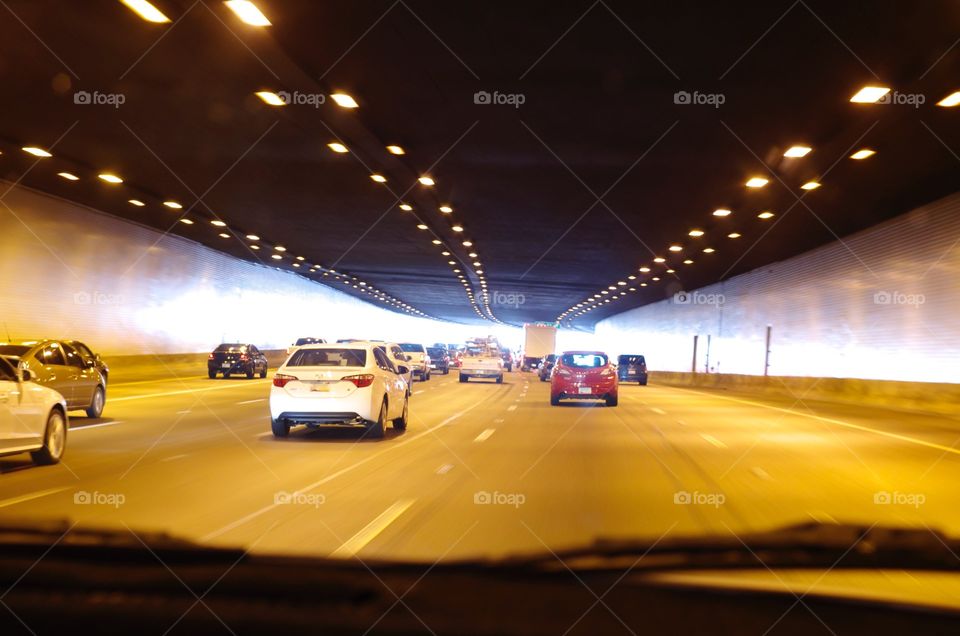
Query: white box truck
539,339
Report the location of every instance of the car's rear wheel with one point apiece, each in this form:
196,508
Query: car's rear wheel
54,439
280,427
400,423
499,379
463,378
375,430
554,401
611,400
211,373
643,383
249,372
263,373
96,404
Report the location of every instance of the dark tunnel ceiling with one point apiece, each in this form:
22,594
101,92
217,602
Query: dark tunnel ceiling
597,172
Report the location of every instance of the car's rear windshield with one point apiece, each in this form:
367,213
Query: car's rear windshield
631,360
436,351
13,350
584,360
328,358
232,348
304,341
406,346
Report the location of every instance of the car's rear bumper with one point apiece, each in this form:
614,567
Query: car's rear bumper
482,373
324,418
633,377
322,409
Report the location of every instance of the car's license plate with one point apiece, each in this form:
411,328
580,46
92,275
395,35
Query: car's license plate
320,388
585,390
225,365
632,371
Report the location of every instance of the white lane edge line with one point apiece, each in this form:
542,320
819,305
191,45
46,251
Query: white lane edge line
370,531
253,401
713,440
101,425
485,435
35,495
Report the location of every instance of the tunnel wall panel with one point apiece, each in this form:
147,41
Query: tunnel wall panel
881,304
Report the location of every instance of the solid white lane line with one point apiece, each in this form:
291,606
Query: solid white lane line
446,468
713,440
829,420
346,469
184,412
173,458
485,435
512,407
419,392
369,532
34,495
185,391
658,411
253,401
101,425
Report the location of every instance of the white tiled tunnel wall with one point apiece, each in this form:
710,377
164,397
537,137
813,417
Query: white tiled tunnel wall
881,304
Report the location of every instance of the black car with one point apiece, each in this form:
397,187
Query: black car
439,359
546,366
632,368
231,358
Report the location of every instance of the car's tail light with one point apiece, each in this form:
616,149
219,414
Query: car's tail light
281,380
608,373
211,357
360,381
562,371
244,357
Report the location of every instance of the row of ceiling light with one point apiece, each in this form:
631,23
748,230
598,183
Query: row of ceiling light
868,94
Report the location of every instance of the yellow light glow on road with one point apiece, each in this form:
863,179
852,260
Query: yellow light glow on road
146,11
248,12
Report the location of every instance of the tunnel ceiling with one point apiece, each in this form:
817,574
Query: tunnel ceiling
612,130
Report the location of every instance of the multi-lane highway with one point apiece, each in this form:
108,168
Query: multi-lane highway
486,469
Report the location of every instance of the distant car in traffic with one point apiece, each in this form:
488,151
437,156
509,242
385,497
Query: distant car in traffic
304,341
456,357
507,359
235,357
439,359
546,366
398,359
583,375
632,368
418,358
57,365
352,384
33,418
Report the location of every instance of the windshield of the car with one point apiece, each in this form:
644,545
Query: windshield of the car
413,348
584,360
434,352
231,348
630,360
328,358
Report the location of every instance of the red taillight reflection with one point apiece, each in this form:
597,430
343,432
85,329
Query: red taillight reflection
211,357
360,381
281,380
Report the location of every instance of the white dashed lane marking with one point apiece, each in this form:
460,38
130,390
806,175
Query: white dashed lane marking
485,435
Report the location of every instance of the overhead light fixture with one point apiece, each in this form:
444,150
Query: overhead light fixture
473,255
379,178
427,181
344,101
721,212
696,233
688,262
396,150
173,204
810,185
136,202
658,259
646,269
279,248
756,182
248,12
336,146
797,151
869,94
406,207
223,235
218,223
186,221
436,241
950,100
445,253
421,226
276,257
446,209
68,176
671,271
110,178
708,250
734,235
765,215
631,277
146,11
655,278
271,98
301,259
676,248
457,228
467,244
863,153
36,152
253,237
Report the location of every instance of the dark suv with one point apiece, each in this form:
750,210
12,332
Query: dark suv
439,359
546,366
231,358
632,368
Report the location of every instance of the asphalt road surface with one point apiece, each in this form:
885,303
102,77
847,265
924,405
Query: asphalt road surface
486,469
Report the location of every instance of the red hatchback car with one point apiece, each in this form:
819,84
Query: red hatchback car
583,375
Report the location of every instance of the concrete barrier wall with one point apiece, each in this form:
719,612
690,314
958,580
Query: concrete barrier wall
883,304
